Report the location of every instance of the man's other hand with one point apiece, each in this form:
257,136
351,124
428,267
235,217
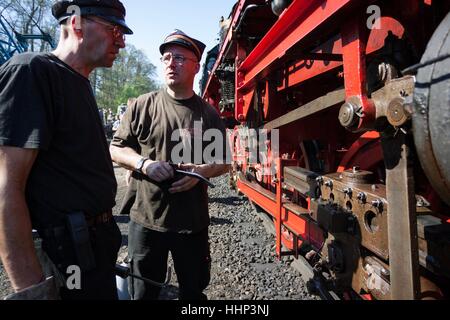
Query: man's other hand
158,171
186,183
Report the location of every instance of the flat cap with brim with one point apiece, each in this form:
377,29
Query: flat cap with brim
178,37
109,10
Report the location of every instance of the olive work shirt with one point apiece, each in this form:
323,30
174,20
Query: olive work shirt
48,106
156,126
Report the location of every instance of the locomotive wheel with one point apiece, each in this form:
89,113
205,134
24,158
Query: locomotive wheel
431,119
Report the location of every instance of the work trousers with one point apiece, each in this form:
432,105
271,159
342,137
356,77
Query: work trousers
98,283
149,250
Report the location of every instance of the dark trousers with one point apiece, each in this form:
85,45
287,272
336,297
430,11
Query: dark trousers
96,284
149,252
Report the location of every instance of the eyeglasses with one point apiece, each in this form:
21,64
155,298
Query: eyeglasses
178,58
115,30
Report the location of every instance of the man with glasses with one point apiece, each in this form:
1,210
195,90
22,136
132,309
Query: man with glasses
55,166
169,213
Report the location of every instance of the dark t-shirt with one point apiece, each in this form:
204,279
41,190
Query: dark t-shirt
148,126
46,105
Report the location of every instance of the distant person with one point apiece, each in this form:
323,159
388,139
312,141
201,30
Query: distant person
169,213
116,124
57,175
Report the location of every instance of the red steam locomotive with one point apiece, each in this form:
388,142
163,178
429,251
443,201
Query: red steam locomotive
353,99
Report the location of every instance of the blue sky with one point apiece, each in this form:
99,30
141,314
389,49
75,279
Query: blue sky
152,20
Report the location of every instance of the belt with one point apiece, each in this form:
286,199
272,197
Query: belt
61,230
100,219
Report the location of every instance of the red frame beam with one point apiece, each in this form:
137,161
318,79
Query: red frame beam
298,21
260,199
306,69
282,216
302,71
354,41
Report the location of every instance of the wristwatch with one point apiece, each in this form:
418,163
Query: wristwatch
140,164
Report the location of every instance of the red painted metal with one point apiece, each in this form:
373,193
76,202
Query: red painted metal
378,36
279,204
306,69
259,198
297,22
302,17
266,101
303,70
354,39
290,29
367,297
227,114
369,158
242,101
243,104
350,155
295,223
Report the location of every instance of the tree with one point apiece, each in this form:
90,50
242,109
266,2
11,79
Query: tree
30,17
131,75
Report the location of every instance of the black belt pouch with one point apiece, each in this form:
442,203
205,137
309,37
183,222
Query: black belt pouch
79,233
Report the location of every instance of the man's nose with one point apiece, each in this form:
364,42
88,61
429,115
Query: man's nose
172,61
120,42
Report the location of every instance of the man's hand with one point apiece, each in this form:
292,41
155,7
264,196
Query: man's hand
186,183
158,171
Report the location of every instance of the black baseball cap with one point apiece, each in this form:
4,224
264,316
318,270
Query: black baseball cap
109,10
178,37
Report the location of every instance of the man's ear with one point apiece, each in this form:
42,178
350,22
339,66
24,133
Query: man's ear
75,25
197,68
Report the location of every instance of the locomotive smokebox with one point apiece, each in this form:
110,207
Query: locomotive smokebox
431,118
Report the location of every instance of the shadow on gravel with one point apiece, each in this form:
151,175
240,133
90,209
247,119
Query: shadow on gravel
228,200
220,222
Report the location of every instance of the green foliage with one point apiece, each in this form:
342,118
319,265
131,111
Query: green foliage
131,76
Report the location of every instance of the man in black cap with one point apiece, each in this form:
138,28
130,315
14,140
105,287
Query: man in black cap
170,212
55,166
